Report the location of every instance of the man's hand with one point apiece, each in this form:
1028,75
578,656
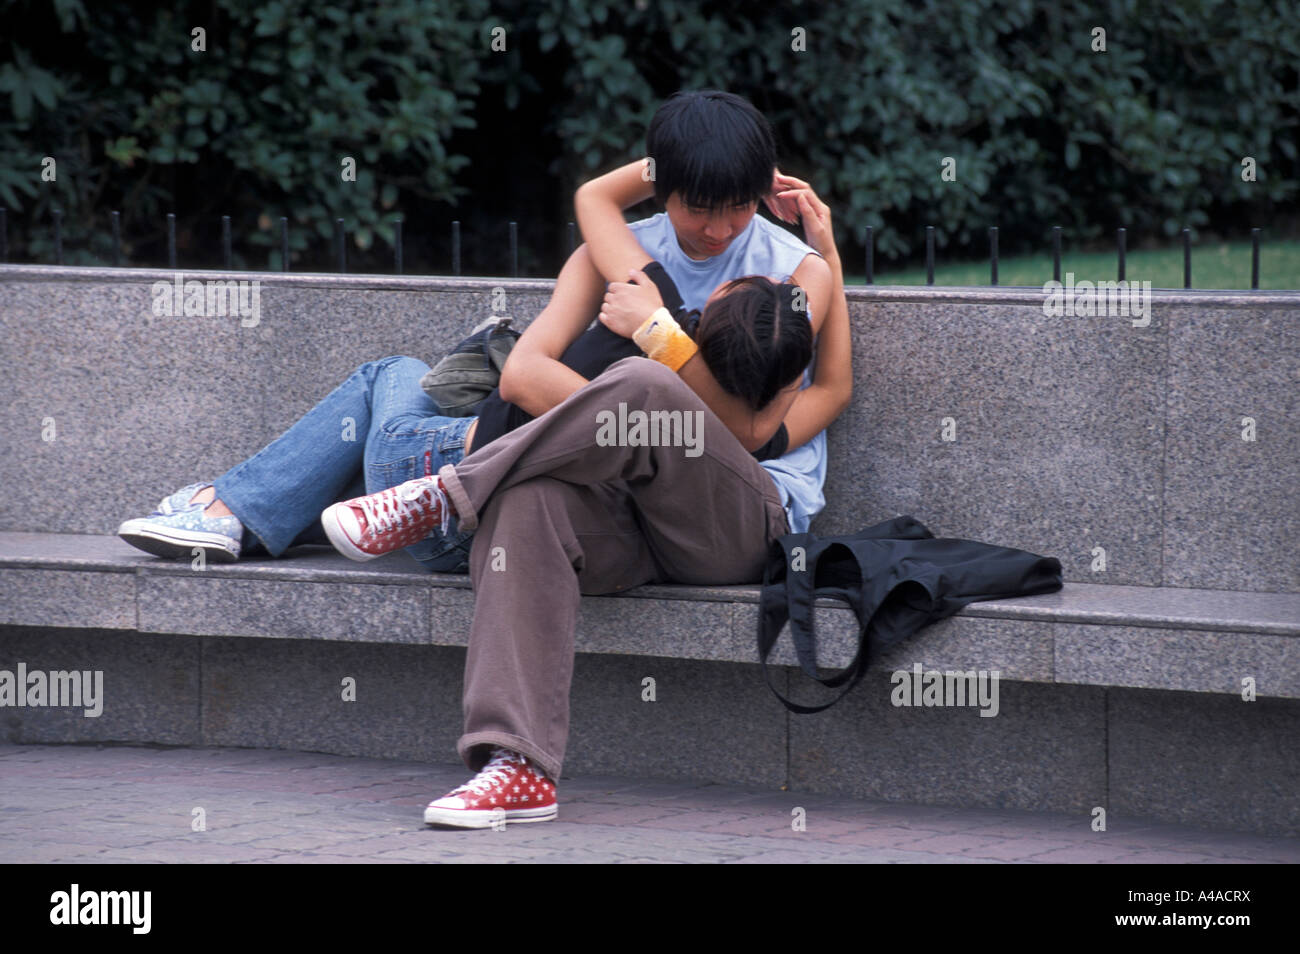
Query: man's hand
628,305
813,212
784,208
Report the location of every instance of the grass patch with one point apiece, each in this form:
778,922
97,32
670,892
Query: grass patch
1221,265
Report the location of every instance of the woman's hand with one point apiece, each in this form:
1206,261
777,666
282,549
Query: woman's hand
628,305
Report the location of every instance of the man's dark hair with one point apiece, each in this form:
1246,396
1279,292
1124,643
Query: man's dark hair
754,340
714,148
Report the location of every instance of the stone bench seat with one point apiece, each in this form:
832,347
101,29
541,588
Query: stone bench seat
1090,634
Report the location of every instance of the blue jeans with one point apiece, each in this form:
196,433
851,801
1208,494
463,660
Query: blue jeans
374,431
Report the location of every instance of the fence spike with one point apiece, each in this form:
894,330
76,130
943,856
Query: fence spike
871,256
993,255
1254,259
397,244
1121,249
929,254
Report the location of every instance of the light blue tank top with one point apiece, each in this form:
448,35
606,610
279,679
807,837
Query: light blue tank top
762,249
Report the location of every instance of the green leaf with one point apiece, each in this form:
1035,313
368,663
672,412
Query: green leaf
1071,155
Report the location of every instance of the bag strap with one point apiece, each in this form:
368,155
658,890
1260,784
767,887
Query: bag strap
499,326
792,601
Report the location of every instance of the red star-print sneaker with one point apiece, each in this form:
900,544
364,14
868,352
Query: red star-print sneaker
510,788
367,527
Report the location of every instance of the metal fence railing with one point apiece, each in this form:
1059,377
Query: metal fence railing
340,248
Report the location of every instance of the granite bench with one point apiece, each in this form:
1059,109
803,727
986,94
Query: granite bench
1124,690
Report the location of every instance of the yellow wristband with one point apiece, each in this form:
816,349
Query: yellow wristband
663,340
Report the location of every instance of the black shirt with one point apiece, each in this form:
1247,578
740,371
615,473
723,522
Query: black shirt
591,353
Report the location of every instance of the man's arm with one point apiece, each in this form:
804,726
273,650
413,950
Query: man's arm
817,405
753,430
598,205
533,377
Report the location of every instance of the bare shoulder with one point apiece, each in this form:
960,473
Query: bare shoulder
814,276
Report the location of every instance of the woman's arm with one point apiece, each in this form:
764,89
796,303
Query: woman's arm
533,377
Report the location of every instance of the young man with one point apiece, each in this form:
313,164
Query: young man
558,515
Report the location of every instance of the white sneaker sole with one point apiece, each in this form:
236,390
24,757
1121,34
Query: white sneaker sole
329,519
172,544
477,818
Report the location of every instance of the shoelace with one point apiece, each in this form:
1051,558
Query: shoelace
496,772
395,505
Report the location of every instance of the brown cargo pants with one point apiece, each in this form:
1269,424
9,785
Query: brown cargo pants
572,503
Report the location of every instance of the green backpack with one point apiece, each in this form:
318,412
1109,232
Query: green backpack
472,369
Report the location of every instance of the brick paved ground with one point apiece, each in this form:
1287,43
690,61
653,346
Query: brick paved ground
93,804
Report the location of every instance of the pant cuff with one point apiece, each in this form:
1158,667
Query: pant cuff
466,515
475,761
235,505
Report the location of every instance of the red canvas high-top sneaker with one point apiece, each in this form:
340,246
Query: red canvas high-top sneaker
510,788
366,527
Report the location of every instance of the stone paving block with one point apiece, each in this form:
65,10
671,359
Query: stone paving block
1193,660
1058,435
281,693
1043,751
883,837
1173,858
1084,855
676,628
1014,849
615,815
451,613
346,612
1188,757
963,843
149,686
614,730
1020,651
131,422
45,597
182,853
312,338
1231,520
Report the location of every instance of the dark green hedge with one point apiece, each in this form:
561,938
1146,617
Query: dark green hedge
1149,134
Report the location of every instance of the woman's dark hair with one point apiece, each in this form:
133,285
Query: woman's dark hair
754,339
713,148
